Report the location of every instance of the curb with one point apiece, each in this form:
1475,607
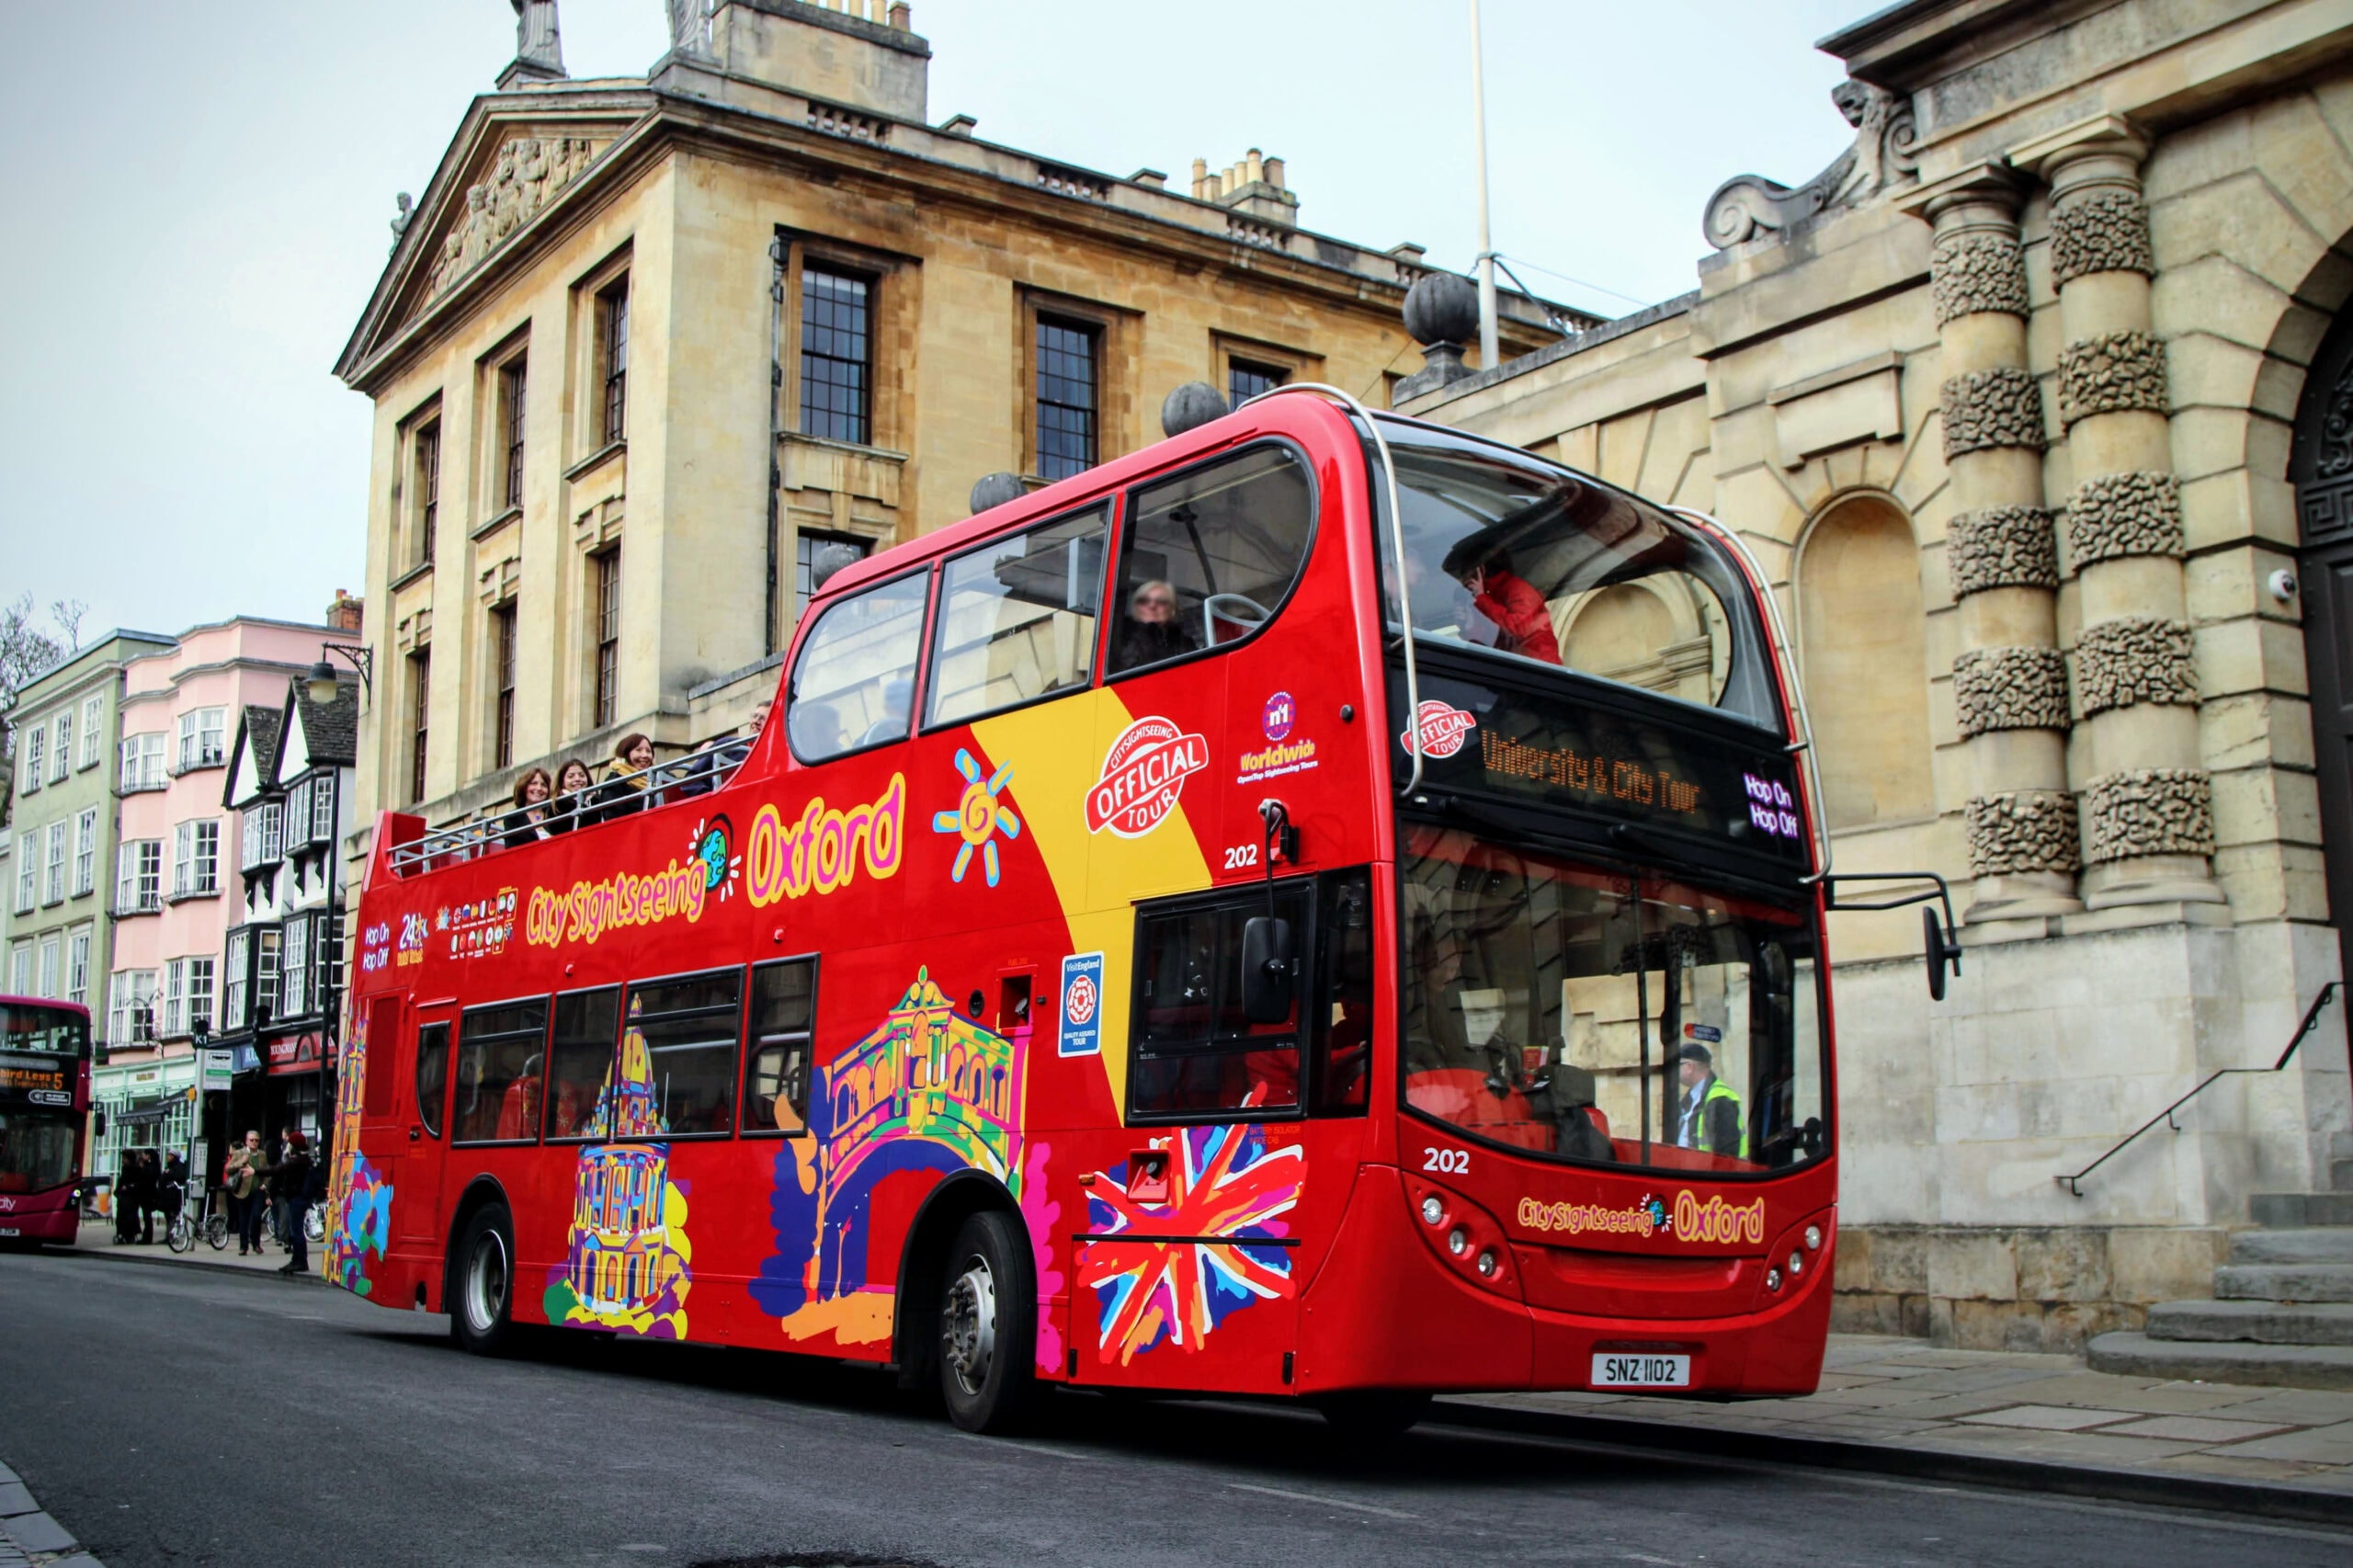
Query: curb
170,1261
2170,1489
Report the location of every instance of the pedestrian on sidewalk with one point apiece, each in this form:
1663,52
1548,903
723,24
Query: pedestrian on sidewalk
146,1195
241,1173
126,1201
290,1186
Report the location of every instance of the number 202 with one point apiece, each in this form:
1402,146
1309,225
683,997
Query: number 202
1451,1162
1241,854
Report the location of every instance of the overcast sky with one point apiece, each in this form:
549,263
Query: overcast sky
199,197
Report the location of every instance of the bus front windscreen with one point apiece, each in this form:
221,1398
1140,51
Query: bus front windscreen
1594,1014
36,1147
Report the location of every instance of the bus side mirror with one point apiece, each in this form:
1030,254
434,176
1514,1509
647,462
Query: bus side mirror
98,1128
98,1054
1267,969
1942,950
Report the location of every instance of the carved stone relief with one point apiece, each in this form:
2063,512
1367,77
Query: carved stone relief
2120,664
2030,831
2152,811
1977,271
1749,205
2010,688
2000,407
2001,546
2124,514
2111,373
527,174
2104,230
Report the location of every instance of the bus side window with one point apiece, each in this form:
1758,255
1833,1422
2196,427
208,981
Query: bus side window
855,683
1343,1032
776,1068
1016,620
581,1062
1208,556
432,1076
687,1028
1195,1053
501,1056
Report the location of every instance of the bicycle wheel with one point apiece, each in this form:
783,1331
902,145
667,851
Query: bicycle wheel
216,1230
314,1223
180,1235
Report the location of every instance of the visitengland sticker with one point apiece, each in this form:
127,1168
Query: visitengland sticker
1443,727
1082,1031
1143,773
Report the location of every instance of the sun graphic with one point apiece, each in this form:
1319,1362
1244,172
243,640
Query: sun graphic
978,818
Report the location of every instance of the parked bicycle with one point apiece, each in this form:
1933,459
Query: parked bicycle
193,1219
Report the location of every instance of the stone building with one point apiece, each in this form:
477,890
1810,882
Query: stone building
2016,403
648,350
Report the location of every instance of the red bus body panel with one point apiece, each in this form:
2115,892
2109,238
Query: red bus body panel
52,1213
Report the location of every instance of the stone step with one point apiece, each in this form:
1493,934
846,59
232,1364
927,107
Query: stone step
2289,1210
2225,1361
2340,1175
2261,1322
2327,1245
2284,1282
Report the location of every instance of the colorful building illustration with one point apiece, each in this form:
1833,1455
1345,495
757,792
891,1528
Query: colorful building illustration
360,1201
626,1266
928,1093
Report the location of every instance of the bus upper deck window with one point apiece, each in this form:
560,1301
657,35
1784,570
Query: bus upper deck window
1209,555
1016,620
855,684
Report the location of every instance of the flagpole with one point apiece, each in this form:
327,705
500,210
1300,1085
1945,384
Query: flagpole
1487,348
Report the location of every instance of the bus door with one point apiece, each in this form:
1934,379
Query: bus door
424,1089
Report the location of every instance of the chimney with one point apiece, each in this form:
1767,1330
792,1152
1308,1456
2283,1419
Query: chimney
345,613
1254,187
858,54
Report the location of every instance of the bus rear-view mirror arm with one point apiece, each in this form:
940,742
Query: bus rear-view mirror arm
1266,969
1941,938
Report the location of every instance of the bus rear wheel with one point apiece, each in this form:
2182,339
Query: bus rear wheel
987,1325
1373,1415
481,1315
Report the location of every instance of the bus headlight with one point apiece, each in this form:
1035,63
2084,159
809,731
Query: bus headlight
1772,1279
1433,1211
1486,1266
1797,1263
1458,1241
1813,1238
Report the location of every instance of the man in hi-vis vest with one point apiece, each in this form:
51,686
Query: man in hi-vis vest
1708,1118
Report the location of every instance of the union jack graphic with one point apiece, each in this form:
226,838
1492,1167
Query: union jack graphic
1208,1251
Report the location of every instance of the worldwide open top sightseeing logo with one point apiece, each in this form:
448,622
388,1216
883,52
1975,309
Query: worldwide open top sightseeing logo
1143,774
1443,725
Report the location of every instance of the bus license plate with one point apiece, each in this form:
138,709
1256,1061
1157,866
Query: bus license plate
10,1231
1618,1371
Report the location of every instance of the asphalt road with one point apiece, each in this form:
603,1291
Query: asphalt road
185,1417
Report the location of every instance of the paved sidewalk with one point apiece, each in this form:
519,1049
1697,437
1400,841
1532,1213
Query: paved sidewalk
1902,1397
29,1538
96,1237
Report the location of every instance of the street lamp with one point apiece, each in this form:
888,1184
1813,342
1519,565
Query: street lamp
321,682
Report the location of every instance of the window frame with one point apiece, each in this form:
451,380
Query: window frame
915,698
419,675
435,1119
868,302
746,1046
620,988
512,433
936,618
1130,509
605,637
1306,887
457,1048
32,775
86,852
1098,334
57,862
803,542
61,745
77,964
743,972
424,471
611,309
92,723
502,683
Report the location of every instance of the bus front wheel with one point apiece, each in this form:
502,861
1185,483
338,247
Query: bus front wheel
987,1324
482,1317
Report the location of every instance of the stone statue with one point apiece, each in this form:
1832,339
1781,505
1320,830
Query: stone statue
689,28
406,211
536,42
1882,157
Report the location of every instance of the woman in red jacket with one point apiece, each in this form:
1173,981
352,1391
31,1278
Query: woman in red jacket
1515,608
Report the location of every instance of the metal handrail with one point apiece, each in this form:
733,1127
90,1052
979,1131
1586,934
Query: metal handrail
463,841
2074,1184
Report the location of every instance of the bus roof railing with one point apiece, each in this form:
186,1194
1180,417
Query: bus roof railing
605,799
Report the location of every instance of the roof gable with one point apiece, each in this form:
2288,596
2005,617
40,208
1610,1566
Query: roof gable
328,732
253,760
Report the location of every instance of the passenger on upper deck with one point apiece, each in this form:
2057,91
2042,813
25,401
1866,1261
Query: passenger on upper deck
816,730
574,784
721,754
624,790
898,701
527,823
1150,630
1515,608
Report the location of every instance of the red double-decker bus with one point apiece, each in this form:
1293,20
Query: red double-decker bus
1324,907
44,1117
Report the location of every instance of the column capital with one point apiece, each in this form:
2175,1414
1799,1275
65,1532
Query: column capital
2106,150
1983,194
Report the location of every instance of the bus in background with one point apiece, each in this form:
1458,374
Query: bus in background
44,1117
1324,907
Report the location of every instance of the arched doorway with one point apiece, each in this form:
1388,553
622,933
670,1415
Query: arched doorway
1862,655
2320,465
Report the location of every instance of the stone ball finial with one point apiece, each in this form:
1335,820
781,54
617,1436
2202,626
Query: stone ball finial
995,490
1190,407
1443,307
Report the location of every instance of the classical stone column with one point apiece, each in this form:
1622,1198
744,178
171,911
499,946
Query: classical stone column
2010,678
2147,805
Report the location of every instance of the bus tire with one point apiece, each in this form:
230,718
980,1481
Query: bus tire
987,1324
1374,1416
482,1307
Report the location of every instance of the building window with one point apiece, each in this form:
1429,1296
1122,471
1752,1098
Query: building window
28,874
502,652
93,718
187,996
143,763
60,752
607,570
195,859
808,544
265,974
77,966
1067,398
139,877
294,977
837,349
36,749
511,384
420,706
298,815
20,968
322,808
49,975
86,852
54,892
265,835
1245,380
429,490
232,989
131,1018
612,343
200,739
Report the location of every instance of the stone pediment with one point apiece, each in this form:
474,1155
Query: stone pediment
522,177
